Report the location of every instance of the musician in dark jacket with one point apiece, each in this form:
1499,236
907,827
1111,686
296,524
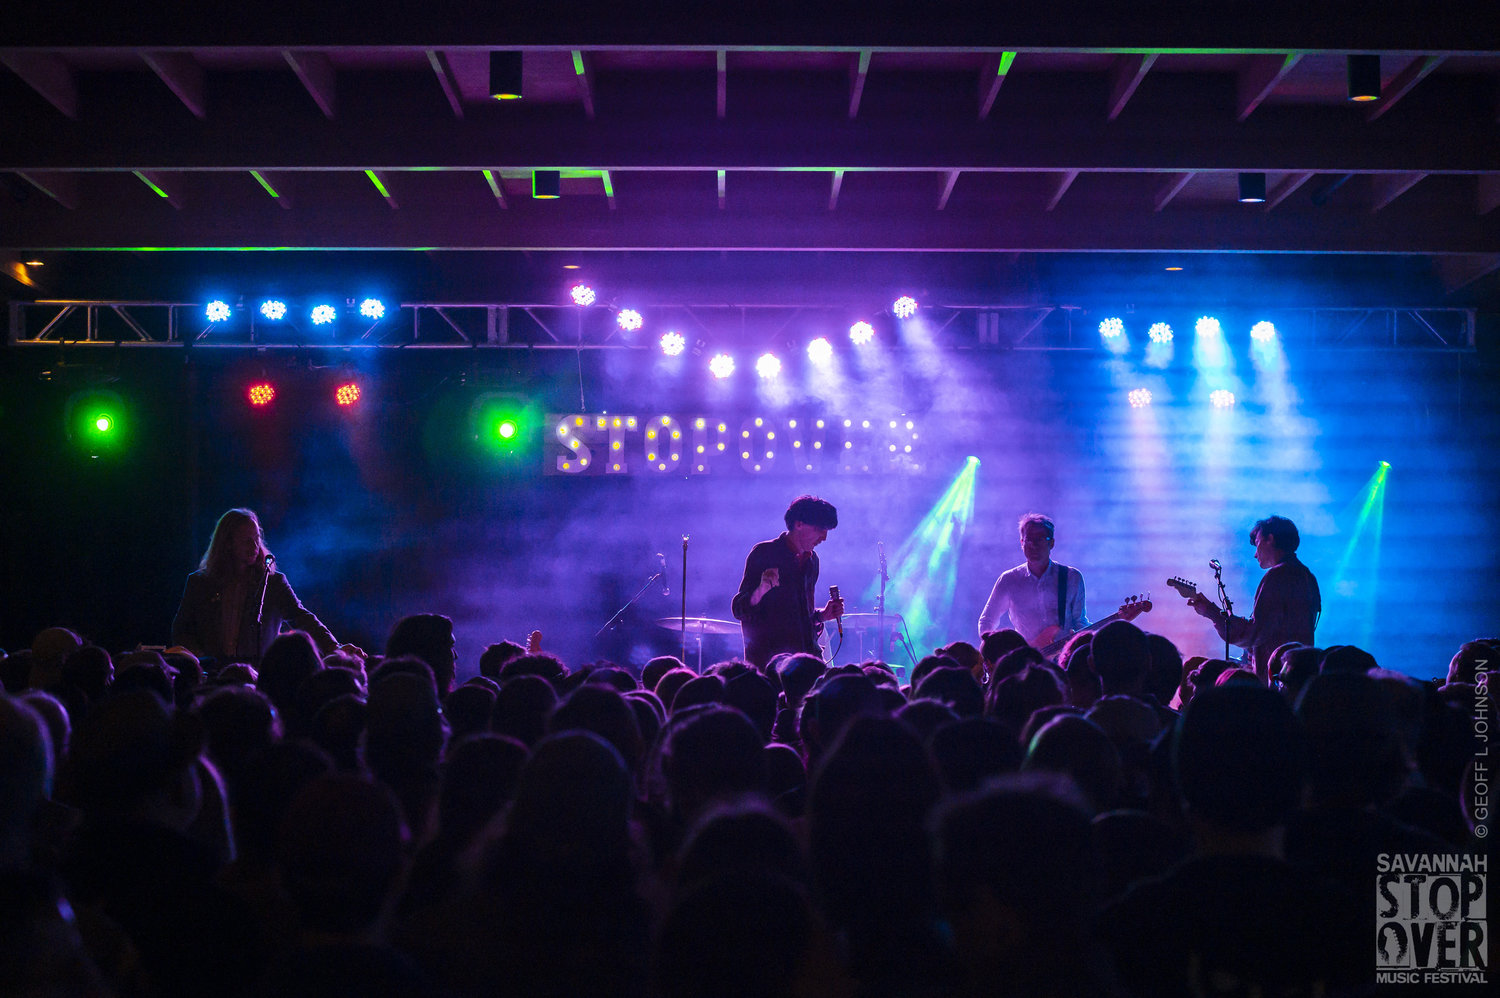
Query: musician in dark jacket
217,615
774,604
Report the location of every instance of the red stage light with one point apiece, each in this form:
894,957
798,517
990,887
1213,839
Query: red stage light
346,394
261,394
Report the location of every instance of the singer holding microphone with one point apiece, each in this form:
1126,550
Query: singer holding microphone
220,605
774,604
1287,601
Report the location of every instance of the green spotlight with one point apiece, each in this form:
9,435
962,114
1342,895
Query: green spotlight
1352,609
95,420
502,423
924,573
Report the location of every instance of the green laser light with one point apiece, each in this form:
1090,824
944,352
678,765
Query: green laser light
103,424
506,429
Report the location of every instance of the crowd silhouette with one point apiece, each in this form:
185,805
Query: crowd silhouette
1122,822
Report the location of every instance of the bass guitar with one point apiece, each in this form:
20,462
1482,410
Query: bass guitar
1049,644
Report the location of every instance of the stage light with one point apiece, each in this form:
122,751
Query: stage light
501,423
1112,327
673,344
546,185
346,394
722,365
95,419
1139,398
505,429
1221,399
1160,332
217,311
1252,188
820,351
505,75
273,309
1207,325
372,308
1362,74
261,394
904,307
323,314
1263,332
582,295
629,320
768,365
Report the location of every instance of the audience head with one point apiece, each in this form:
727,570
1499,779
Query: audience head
1012,700
341,852
522,707
955,687
1120,656
492,660
1166,668
971,750
1354,747
603,711
289,660
995,644
1347,658
90,671
134,756
468,710
713,755
1238,756
428,636
1078,748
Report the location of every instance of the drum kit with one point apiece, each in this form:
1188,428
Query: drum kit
861,626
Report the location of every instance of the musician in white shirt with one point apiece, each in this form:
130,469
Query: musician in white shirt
1029,592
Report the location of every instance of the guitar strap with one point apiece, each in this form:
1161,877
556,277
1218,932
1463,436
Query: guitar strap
1062,593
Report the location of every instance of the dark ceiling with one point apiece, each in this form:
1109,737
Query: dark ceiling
988,148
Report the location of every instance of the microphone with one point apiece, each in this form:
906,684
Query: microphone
270,560
1214,564
661,564
833,593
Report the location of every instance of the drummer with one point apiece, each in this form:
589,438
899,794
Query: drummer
774,604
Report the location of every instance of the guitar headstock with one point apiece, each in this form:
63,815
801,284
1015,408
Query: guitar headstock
1185,589
1135,606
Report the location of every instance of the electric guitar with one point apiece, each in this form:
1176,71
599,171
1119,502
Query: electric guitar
1049,644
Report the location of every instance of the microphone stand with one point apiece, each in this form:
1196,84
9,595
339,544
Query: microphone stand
1228,606
880,605
683,620
658,577
260,608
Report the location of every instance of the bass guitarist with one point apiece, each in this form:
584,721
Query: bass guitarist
1044,599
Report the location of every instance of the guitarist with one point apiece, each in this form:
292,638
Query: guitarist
1287,602
1044,599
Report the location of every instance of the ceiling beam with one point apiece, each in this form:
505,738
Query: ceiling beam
1288,186
576,223
48,75
1125,77
1415,72
183,76
1388,187
315,70
859,69
383,186
1319,140
443,69
1489,194
1170,189
721,69
1258,79
992,78
949,179
497,189
277,186
168,190
583,70
1270,25
1063,183
1459,271
60,187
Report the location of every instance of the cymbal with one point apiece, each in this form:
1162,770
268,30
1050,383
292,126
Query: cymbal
700,625
870,619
